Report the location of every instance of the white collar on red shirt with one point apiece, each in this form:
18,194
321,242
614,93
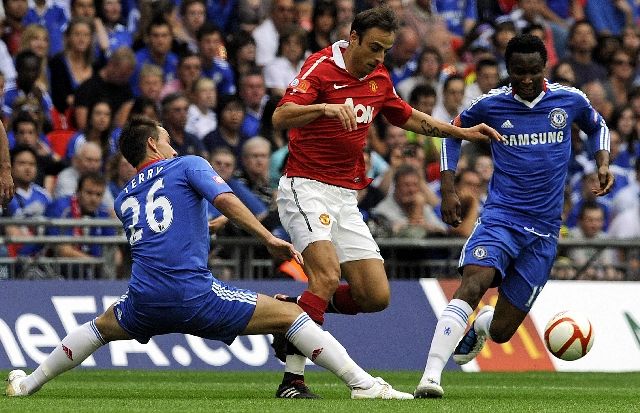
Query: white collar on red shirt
337,53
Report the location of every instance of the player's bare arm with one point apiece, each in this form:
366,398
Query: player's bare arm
235,210
605,176
6,181
291,115
424,124
451,209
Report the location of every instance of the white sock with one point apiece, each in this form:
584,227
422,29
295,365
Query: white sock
73,350
449,330
324,350
481,324
295,364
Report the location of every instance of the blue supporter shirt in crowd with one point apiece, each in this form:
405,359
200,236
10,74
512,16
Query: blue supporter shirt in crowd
54,20
455,12
143,56
30,203
164,212
530,170
221,72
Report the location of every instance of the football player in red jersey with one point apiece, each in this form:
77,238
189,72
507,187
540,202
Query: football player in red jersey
328,110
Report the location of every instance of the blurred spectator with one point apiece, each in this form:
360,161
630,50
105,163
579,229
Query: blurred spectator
150,82
503,32
157,51
304,14
222,14
110,83
120,172
597,95
36,39
325,14
111,33
483,165
582,43
621,76
13,25
83,8
52,17
193,14
369,196
563,73
405,209
7,68
610,17
88,159
228,134
345,11
530,17
452,96
99,130
73,65
591,263
284,68
26,133
85,202
30,200
189,70
242,53
468,186
402,59
201,118
625,122
254,95
174,119
543,32
607,45
268,32
28,66
428,73
589,181
628,197
214,59
146,107
460,15
255,169
487,78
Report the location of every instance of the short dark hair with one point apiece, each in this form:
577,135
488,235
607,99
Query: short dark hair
133,138
450,79
485,63
422,91
18,149
589,205
95,177
157,21
25,55
525,43
382,18
206,29
172,97
23,117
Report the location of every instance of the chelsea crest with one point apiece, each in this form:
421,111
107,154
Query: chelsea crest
558,118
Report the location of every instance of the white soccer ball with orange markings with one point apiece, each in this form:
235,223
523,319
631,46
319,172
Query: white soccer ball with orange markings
568,335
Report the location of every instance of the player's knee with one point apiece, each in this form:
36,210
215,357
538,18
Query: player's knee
372,302
328,281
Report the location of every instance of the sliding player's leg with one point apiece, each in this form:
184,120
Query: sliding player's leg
73,350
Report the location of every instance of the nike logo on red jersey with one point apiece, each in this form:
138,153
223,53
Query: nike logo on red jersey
336,86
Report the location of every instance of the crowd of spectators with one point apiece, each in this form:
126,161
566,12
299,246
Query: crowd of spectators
72,73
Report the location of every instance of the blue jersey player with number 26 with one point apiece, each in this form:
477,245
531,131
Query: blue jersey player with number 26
164,212
513,244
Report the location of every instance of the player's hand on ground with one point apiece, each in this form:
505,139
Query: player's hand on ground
6,186
606,181
451,209
344,113
483,133
283,250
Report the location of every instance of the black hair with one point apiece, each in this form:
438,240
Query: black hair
23,117
207,29
525,43
133,138
421,91
382,18
18,149
95,177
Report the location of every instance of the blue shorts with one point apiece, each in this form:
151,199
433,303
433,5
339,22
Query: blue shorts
522,256
222,314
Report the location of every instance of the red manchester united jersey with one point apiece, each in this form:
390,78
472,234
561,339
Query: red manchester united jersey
323,150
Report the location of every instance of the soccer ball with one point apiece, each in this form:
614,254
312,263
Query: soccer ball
568,335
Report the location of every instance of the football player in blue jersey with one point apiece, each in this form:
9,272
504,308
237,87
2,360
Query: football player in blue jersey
513,244
163,210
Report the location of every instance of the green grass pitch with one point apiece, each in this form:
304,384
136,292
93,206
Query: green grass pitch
211,391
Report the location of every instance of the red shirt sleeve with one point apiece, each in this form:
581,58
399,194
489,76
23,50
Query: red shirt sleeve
396,110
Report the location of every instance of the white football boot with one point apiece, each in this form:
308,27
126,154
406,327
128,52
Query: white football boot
430,389
380,390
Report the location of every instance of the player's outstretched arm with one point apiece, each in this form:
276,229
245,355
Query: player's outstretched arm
451,208
605,176
6,181
292,115
424,124
234,209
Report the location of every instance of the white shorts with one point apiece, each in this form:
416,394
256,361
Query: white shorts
314,211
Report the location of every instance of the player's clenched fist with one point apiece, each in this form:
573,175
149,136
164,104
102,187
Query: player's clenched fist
344,113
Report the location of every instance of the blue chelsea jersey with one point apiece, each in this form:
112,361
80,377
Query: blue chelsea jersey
530,169
164,213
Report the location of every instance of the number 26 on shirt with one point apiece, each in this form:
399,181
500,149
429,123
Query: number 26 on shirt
151,204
